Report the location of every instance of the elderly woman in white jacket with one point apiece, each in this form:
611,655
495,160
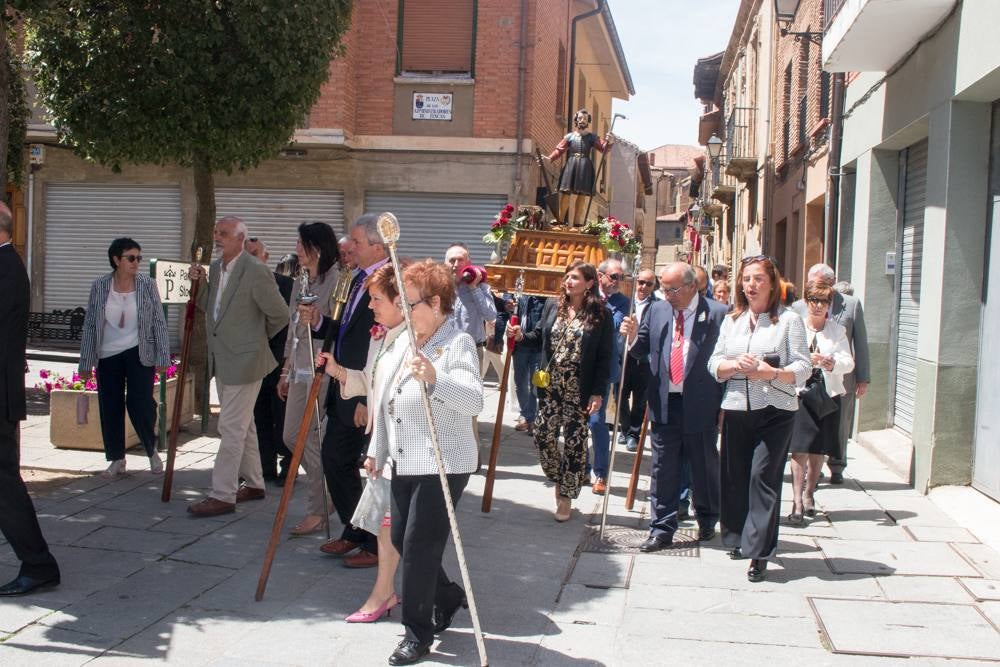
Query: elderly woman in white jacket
812,438
386,344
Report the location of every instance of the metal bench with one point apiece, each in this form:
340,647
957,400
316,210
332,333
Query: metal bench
62,328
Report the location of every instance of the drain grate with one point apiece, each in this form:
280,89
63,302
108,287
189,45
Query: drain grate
623,540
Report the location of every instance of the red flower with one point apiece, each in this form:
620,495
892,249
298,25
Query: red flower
621,242
377,332
509,208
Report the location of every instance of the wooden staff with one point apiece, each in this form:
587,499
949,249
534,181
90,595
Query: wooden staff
339,296
175,421
491,470
634,480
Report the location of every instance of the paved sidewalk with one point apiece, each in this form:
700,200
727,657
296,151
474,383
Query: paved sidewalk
880,571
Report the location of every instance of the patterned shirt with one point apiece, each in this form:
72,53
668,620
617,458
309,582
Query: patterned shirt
786,338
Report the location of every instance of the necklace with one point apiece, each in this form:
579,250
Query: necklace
382,350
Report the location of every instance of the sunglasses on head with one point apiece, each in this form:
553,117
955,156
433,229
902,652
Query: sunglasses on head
132,258
757,258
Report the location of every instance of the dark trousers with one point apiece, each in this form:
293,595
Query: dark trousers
671,446
754,451
114,374
269,416
420,532
633,405
838,459
342,447
18,521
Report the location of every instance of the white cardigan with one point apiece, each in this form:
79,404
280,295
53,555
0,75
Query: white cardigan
832,340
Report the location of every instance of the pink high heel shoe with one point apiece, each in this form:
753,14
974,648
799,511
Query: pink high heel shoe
371,616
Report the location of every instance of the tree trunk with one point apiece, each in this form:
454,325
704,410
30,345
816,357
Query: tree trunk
204,225
4,94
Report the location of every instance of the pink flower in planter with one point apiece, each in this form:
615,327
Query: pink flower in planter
44,374
91,385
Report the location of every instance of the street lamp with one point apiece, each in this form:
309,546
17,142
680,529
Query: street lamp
784,14
714,147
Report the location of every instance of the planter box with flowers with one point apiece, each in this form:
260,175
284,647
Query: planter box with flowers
75,418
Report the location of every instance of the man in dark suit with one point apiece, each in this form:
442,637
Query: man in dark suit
633,404
269,410
345,440
18,520
679,336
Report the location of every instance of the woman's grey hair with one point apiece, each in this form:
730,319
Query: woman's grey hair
369,222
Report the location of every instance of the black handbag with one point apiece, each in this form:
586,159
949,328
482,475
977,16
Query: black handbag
815,398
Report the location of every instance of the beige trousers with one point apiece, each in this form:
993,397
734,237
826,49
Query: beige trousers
295,405
238,455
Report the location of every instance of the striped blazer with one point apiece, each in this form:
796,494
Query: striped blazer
456,397
154,345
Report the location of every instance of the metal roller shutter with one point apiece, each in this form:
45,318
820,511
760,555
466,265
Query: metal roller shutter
430,222
909,267
83,219
273,215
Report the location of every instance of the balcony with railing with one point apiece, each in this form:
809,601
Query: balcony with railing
873,35
740,145
719,183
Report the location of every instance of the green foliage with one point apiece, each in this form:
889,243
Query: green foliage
18,118
220,81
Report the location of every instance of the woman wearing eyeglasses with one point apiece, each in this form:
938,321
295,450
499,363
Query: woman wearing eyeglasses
762,356
575,333
817,423
125,338
447,366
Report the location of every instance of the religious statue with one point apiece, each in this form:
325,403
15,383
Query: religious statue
576,183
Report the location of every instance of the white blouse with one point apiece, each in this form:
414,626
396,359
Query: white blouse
832,340
786,338
121,323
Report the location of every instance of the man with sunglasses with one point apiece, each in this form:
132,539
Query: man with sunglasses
610,275
633,404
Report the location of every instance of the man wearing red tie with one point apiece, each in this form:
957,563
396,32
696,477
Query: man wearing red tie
679,336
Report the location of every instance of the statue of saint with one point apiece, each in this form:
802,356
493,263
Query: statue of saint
576,183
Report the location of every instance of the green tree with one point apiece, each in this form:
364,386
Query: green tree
13,107
215,85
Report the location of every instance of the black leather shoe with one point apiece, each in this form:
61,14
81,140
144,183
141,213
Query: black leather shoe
653,544
757,572
736,554
836,478
408,652
706,534
25,584
444,617
683,514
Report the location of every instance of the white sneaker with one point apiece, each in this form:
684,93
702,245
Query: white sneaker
116,469
156,464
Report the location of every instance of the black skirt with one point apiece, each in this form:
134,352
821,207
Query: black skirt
578,175
812,437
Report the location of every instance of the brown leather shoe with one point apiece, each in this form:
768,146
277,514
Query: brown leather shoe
361,559
339,547
246,493
211,507
600,487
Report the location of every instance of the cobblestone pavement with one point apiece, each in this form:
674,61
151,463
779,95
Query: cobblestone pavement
881,571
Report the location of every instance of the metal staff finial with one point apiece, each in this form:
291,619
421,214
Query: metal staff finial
388,229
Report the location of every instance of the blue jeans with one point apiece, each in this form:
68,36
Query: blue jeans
600,438
526,362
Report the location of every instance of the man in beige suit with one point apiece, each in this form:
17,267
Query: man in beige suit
243,310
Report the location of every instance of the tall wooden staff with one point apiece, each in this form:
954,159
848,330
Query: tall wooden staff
339,298
491,471
633,482
175,421
388,229
618,402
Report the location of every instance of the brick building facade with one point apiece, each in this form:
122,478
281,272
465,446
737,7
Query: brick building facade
369,143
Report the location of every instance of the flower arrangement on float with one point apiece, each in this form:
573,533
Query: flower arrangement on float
615,236
509,220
